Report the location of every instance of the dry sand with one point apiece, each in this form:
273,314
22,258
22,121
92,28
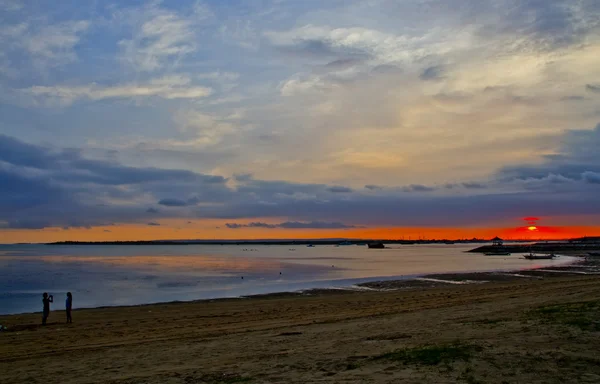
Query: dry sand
527,330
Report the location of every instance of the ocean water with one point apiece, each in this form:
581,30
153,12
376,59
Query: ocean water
111,275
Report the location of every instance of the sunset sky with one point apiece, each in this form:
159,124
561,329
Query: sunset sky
230,119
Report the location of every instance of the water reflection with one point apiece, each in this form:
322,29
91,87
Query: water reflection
119,275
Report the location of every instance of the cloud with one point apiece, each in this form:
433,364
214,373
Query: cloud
168,87
545,25
591,177
63,188
577,156
47,45
173,203
11,5
356,111
339,189
315,225
432,73
160,37
219,76
153,224
418,188
593,88
372,187
292,225
55,43
250,225
474,185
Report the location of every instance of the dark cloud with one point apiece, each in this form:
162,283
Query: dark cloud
591,177
62,188
418,188
292,225
250,225
343,63
339,189
373,187
243,177
314,225
173,203
546,24
435,72
573,98
29,224
322,49
43,187
579,154
153,224
593,88
466,185
474,185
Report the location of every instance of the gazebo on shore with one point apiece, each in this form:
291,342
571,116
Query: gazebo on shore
497,242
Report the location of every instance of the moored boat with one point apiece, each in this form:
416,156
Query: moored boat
377,245
497,253
533,256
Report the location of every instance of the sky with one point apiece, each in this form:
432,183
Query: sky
299,119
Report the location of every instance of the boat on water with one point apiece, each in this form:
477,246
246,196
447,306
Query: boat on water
310,246
533,256
497,253
377,245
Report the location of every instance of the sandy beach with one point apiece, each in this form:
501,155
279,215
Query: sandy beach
534,329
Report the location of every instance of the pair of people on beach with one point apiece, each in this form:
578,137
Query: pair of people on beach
47,299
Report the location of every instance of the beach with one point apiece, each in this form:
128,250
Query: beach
535,329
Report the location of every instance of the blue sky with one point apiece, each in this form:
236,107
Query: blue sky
366,113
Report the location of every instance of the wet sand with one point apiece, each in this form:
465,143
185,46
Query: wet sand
509,329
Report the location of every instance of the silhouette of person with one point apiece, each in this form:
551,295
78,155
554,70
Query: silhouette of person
46,301
69,306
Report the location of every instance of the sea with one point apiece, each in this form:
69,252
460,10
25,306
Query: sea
117,275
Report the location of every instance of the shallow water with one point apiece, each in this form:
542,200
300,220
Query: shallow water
108,275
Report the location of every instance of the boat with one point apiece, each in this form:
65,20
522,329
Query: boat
533,256
377,245
310,246
497,253
594,254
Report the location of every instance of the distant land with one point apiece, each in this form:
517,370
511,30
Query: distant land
330,241
516,245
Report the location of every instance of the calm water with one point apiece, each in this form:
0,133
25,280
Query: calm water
110,275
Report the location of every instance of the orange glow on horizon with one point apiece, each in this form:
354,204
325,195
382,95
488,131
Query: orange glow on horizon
176,229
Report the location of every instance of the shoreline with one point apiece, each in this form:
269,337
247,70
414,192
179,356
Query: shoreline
386,284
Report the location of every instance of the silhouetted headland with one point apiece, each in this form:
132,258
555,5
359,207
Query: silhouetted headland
580,244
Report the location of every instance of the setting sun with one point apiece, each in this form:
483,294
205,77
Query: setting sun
532,228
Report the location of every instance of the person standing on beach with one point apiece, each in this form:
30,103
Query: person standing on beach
69,306
46,301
